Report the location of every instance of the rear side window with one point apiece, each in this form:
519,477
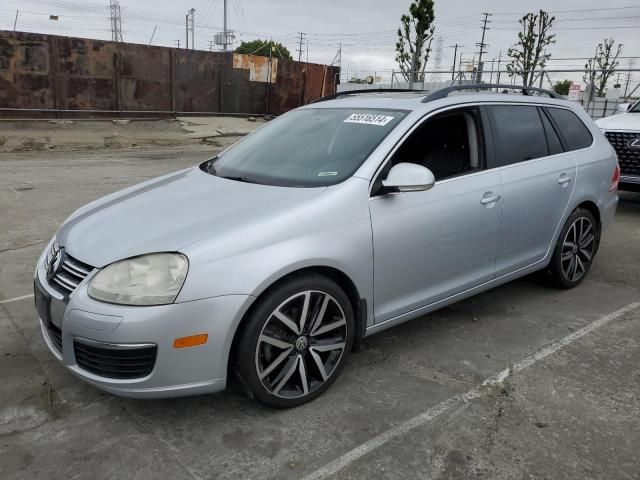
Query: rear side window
553,142
575,134
518,134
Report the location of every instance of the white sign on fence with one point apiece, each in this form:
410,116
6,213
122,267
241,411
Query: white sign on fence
574,92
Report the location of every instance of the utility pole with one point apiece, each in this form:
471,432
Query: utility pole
455,56
15,22
190,27
211,45
499,60
300,46
626,87
225,26
435,77
177,42
193,29
337,60
116,21
592,76
269,79
482,46
153,34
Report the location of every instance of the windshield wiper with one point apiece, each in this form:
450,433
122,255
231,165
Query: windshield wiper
238,179
211,170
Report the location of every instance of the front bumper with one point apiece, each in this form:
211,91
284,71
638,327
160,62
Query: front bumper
630,183
78,319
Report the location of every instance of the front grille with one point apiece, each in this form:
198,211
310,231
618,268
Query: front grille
55,335
70,273
628,157
115,362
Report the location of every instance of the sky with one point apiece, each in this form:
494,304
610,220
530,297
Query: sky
366,29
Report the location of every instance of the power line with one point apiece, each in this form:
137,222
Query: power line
617,27
580,10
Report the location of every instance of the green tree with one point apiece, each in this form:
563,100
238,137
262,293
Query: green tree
530,51
599,69
261,47
414,40
562,88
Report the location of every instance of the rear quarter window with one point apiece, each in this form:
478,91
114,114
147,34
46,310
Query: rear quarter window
575,134
553,141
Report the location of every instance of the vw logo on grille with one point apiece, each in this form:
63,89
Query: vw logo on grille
634,143
54,263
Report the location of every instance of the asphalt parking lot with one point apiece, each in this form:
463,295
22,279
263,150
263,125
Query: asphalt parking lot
519,382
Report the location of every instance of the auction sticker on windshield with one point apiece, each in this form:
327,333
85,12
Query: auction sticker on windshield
368,119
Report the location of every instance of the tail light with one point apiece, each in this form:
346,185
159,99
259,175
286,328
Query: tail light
615,179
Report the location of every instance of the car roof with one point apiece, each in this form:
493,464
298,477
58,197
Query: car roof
413,101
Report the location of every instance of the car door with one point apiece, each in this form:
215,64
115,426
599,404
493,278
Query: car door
432,244
537,181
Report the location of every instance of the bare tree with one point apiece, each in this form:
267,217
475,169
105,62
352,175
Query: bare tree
414,40
599,69
530,51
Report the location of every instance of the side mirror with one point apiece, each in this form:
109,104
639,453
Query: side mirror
409,177
623,107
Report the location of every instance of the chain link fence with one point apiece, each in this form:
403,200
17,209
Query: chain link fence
624,84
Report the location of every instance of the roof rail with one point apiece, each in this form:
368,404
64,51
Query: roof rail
444,92
368,90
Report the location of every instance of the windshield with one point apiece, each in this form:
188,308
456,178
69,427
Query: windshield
307,147
635,108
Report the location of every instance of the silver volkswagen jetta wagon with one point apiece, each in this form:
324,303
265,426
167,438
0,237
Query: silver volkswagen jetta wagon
272,261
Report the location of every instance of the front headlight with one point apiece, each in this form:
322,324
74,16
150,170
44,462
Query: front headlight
154,279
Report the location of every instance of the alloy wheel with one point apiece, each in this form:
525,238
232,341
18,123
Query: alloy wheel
301,344
577,249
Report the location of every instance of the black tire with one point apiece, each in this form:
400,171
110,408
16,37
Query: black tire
563,271
253,353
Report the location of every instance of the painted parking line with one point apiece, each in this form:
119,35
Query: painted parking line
461,399
16,299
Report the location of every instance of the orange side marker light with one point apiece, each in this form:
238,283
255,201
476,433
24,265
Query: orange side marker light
191,341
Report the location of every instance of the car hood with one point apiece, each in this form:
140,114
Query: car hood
169,213
621,121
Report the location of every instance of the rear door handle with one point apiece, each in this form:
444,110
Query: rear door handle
489,198
564,179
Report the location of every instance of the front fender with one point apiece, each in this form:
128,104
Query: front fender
331,230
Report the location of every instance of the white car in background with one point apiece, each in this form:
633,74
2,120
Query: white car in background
623,132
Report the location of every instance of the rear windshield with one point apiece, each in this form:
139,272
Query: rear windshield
310,147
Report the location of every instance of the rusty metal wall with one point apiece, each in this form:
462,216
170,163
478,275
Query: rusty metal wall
65,73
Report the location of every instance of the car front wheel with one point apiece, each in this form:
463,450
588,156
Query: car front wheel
295,341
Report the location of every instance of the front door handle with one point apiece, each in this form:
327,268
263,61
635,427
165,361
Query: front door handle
489,198
564,179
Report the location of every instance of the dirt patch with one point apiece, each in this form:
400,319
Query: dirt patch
118,134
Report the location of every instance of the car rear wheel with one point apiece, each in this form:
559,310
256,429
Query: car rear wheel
575,250
295,341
